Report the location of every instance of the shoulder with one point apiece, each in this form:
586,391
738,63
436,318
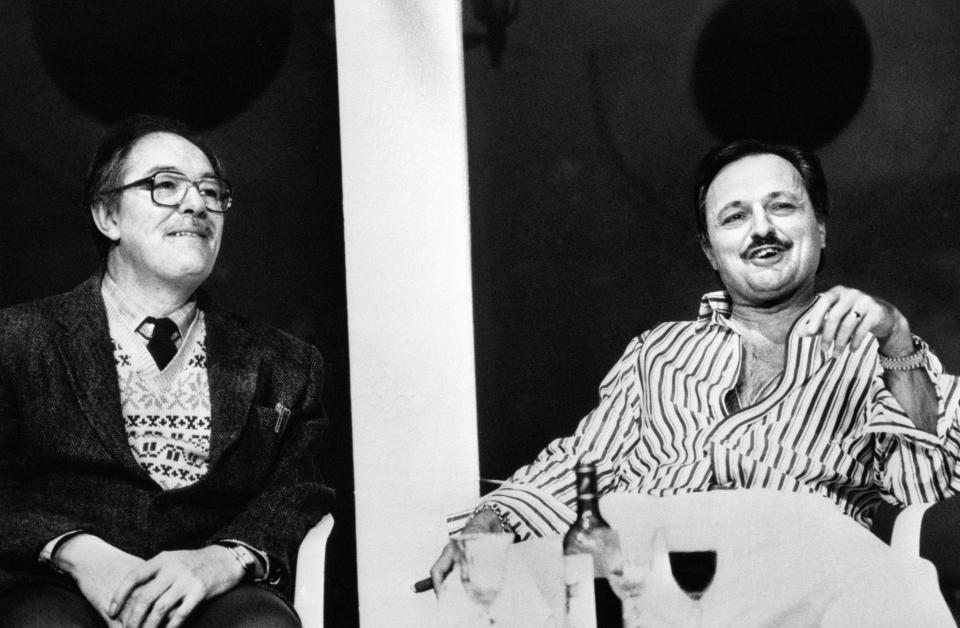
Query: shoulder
663,341
30,320
80,305
656,338
668,333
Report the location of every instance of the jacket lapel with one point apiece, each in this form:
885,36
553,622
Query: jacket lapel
87,353
232,373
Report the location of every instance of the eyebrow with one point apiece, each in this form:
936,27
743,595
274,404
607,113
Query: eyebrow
792,195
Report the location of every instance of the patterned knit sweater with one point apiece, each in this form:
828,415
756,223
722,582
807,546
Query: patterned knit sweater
166,413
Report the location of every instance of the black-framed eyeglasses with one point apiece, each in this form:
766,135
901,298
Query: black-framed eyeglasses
170,188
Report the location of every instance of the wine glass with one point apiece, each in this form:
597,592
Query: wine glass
627,564
659,586
628,571
482,559
693,571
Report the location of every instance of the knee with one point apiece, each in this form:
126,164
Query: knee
47,605
245,607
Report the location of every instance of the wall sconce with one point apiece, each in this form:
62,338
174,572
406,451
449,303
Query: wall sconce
495,15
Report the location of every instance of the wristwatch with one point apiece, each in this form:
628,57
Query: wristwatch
271,572
243,556
909,362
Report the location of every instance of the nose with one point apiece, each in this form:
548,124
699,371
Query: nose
760,223
193,202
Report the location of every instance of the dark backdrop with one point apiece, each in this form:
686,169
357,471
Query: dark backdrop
258,77
582,146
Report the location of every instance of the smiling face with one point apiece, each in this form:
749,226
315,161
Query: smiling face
161,246
763,235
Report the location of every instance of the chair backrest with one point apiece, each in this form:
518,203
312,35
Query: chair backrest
311,561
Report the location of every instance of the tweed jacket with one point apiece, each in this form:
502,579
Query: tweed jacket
65,462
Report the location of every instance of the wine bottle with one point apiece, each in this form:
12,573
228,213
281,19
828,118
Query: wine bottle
588,545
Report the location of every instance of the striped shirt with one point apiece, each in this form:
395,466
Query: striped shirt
829,426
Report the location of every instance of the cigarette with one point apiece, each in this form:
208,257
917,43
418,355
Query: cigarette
422,585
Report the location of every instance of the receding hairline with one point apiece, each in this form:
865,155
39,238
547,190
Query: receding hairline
210,170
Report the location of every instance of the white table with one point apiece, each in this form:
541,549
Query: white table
782,560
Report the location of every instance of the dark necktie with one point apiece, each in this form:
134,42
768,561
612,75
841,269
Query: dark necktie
161,344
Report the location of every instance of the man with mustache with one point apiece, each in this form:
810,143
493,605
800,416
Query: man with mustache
157,454
772,386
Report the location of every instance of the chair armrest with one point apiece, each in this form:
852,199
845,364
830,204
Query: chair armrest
311,560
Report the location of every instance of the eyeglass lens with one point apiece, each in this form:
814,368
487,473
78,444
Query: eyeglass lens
170,189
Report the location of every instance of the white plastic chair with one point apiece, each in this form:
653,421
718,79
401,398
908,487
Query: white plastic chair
311,561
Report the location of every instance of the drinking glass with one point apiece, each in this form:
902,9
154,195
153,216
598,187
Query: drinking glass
628,572
659,586
482,559
693,571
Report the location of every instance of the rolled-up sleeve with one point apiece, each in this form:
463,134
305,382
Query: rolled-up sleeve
913,465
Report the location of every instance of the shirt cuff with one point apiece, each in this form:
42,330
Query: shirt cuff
262,558
905,539
887,416
527,510
903,427
49,551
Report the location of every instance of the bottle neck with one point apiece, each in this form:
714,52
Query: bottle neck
587,504
588,509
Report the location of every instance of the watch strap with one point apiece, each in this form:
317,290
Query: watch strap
908,362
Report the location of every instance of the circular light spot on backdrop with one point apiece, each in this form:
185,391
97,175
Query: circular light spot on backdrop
782,70
202,62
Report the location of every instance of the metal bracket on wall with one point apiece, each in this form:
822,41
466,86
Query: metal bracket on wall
495,15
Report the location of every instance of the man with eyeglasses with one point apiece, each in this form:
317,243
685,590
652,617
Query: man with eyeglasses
157,455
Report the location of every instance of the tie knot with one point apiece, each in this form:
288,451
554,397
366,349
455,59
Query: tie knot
162,345
163,328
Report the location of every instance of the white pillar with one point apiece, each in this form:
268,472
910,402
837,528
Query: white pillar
407,238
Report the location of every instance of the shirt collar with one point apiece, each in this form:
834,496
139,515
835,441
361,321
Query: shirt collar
126,312
715,307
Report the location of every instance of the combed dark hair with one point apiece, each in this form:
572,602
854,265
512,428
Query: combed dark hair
107,167
806,163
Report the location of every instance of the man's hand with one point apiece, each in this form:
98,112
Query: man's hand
164,590
845,316
95,565
483,521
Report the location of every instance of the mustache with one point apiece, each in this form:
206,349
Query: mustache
768,239
195,224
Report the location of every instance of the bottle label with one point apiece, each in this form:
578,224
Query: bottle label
578,581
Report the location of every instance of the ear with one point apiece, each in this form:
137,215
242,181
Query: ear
822,227
105,218
708,251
